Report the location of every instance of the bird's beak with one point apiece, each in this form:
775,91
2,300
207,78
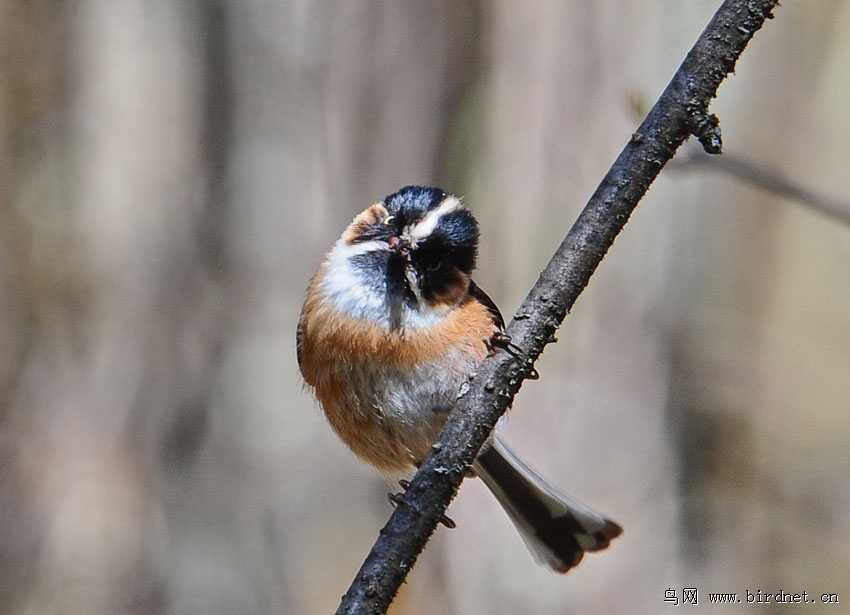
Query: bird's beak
400,246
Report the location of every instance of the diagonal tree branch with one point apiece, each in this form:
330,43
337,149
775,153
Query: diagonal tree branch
681,111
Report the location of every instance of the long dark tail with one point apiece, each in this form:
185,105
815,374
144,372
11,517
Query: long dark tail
557,529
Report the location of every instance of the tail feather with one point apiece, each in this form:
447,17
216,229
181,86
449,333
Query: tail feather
557,529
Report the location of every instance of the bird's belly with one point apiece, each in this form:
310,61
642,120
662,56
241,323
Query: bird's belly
390,416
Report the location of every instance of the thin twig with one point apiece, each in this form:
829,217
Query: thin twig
743,169
682,110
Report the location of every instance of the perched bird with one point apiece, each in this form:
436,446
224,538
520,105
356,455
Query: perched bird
391,328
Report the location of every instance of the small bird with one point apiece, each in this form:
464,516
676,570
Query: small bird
392,326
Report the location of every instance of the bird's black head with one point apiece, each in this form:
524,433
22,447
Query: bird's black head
437,227
434,244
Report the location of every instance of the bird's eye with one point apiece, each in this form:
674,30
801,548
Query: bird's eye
435,265
388,219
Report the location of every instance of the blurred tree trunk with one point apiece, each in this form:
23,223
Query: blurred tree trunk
115,329
34,262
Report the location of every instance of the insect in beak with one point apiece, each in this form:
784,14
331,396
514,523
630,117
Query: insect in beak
402,247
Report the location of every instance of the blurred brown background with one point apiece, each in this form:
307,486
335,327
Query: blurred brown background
170,176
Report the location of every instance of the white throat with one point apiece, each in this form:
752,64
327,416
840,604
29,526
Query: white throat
361,293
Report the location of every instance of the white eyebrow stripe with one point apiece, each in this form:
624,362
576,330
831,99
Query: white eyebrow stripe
426,226
345,251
